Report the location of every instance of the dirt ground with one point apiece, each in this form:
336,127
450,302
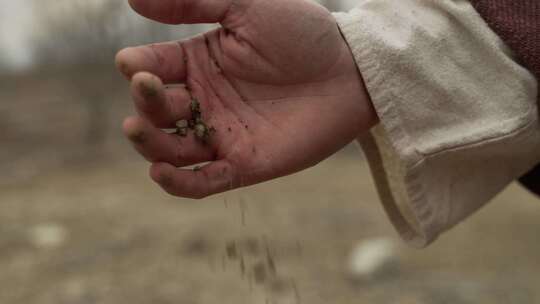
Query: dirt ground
99,231
124,241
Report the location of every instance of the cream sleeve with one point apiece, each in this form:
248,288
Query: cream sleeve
458,116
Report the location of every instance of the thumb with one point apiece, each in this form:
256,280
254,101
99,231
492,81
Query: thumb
183,11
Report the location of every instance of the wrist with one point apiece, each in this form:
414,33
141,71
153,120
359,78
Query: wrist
368,116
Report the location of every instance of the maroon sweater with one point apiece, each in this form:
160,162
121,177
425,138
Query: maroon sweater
517,22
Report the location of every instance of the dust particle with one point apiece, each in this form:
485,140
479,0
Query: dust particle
196,246
232,250
242,266
259,273
251,246
296,292
271,263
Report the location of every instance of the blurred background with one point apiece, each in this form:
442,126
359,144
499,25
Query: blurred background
81,223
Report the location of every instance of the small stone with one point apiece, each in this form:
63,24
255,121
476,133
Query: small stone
196,123
373,258
195,107
182,124
183,132
48,236
201,131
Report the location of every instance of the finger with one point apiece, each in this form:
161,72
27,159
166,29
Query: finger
157,146
166,60
160,105
183,11
213,178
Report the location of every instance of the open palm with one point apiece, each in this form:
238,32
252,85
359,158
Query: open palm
276,81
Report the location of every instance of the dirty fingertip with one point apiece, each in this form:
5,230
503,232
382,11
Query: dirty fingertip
148,85
134,129
161,173
122,60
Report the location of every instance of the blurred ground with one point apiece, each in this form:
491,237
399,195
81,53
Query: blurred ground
80,222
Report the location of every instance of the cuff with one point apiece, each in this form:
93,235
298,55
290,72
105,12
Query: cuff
458,116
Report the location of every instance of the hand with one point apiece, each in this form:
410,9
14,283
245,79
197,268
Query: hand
277,81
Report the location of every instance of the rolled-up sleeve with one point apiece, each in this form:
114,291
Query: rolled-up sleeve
458,115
